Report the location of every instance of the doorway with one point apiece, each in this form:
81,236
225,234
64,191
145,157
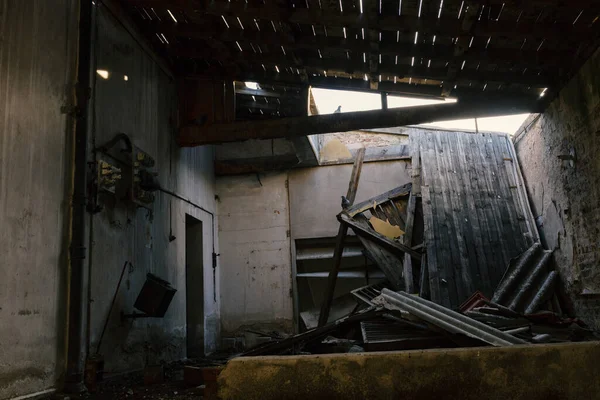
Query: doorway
194,287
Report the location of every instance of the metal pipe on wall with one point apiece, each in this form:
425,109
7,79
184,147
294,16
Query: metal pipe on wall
77,249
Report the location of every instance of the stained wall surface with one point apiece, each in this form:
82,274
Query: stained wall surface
38,48
260,216
143,106
564,193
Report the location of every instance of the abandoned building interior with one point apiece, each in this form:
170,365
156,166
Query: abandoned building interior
291,199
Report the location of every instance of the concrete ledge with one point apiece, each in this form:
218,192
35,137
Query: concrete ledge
563,371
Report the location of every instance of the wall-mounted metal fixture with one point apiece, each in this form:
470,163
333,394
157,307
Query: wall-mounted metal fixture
129,181
154,299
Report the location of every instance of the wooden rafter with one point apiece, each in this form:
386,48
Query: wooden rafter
194,135
334,67
516,57
438,26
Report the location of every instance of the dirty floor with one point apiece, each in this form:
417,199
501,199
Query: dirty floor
132,386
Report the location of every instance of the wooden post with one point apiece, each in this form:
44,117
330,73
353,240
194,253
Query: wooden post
341,236
407,241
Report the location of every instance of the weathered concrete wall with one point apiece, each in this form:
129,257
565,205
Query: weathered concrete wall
38,48
315,193
560,371
567,197
143,106
255,251
257,217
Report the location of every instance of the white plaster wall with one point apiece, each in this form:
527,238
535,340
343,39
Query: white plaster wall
38,47
255,229
255,252
315,193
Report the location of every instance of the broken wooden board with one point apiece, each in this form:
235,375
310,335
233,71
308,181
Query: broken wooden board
385,228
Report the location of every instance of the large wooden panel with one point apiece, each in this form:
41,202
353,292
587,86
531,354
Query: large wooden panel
475,217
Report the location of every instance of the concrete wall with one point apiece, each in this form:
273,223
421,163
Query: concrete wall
257,217
37,64
144,106
565,196
255,252
559,371
315,193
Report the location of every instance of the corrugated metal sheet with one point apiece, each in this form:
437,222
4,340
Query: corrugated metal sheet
528,282
38,45
449,320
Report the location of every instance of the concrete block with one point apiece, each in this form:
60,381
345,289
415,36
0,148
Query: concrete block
532,372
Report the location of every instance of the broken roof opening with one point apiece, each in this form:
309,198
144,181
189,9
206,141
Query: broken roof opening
328,101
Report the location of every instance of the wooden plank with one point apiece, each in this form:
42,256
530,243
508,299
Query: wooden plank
431,274
416,166
424,279
469,19
195,135
341,236
434,234
517,219
400,191
516,57
522,194
355,176
477,256
361,228
446,25
442,213
257,92
388,211
460,273
345,67
509,230
495,247
388,262
490,244
407,266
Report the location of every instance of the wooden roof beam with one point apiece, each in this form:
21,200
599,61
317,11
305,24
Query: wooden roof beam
194,135
348,67
469,20
524,59
442,26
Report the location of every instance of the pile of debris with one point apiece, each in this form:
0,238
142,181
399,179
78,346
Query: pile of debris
524,309
401,321
447,235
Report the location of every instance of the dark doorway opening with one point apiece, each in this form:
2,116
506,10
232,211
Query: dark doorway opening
194,285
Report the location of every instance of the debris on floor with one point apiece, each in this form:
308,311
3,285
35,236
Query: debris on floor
186,380
520,312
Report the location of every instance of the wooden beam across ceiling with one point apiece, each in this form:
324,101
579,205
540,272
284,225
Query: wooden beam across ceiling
516,57
335,67
194,135
445,25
